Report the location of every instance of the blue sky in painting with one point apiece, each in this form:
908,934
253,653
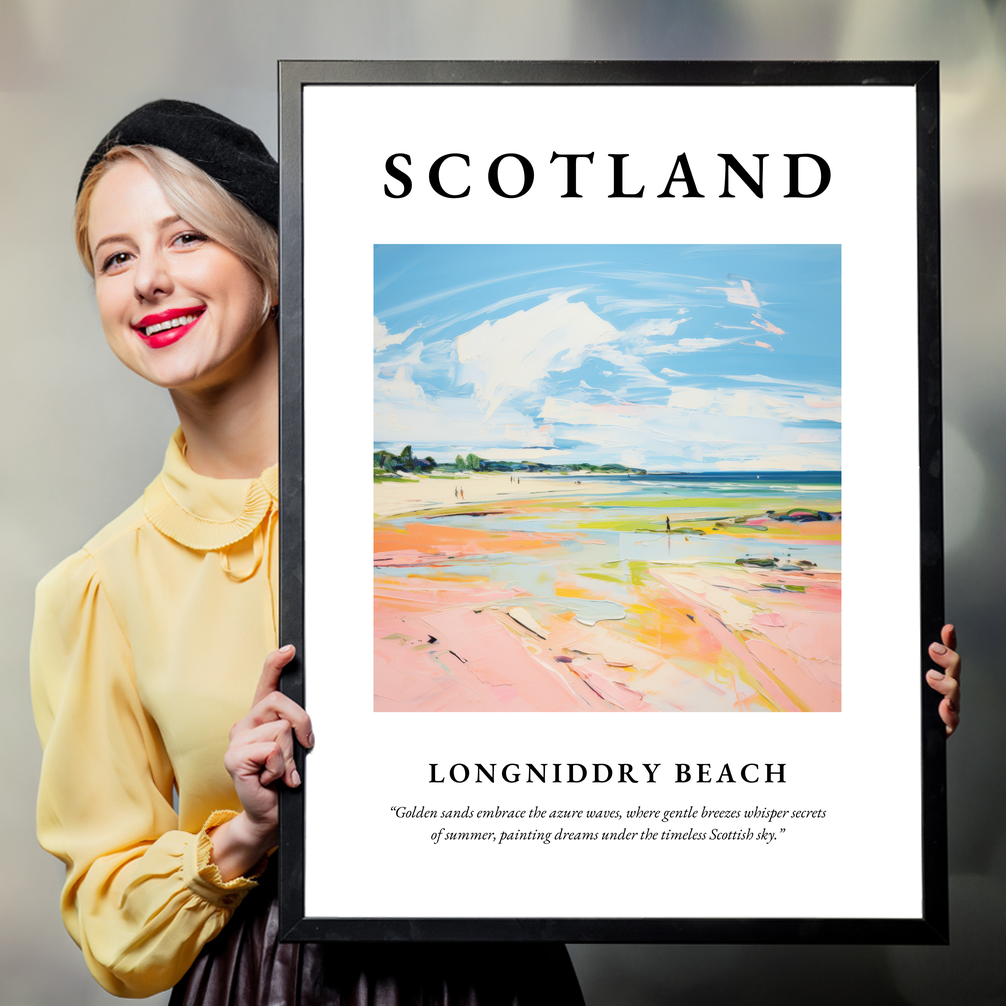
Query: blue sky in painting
664,357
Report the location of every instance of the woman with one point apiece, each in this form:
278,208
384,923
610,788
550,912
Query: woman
148,643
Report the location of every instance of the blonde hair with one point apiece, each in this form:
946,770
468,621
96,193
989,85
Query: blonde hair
199,200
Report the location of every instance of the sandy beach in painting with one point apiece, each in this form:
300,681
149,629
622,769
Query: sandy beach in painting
589,592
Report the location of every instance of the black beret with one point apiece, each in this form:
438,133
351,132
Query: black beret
231,154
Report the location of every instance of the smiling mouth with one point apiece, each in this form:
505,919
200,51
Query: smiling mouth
165,324
167,327
185,319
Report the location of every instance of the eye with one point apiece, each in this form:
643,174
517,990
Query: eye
115,261
189,239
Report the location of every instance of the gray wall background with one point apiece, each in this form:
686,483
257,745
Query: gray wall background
82,436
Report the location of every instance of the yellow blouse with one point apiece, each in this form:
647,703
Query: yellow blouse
147,647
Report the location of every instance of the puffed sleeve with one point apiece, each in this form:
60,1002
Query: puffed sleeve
141,898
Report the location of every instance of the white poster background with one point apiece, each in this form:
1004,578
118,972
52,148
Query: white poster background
862,765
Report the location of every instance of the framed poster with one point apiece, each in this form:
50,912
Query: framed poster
637,652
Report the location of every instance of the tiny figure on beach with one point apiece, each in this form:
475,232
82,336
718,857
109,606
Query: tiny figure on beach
455,492
667,523
462,494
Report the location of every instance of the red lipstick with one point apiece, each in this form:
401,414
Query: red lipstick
166,327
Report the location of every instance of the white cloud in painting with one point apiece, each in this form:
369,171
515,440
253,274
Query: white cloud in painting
695,424
821,402
625,425
767,325
646,327
814,436
633,305
624,414
443,426
514,354
550,456
828,391
584,386
606,433
664,347
789,457
697,345
804,407
383,338
529,436
412,359
757,402
691,398
692,426
738,293
499,304
400,388
636,374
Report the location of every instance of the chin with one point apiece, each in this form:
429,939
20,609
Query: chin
191,364
170,374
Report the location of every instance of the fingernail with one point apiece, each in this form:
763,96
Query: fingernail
287,649
936,675
295,777
938,648
310,740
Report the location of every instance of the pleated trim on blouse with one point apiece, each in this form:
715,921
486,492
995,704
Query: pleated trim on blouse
237,505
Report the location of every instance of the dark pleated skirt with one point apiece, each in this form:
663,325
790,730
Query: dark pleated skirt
246,965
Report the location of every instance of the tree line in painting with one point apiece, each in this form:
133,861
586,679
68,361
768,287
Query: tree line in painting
389,465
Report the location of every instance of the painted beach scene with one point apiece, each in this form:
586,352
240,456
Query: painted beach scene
607,478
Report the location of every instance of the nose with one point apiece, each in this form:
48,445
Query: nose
152,277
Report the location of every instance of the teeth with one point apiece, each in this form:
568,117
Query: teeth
174,323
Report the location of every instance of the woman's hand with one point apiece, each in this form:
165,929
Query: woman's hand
947,682
260,753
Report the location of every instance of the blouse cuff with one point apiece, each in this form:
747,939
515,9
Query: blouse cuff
202,876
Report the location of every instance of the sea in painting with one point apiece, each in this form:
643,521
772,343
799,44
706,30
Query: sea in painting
607,478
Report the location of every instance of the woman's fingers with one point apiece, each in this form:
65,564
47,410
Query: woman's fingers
947,686
261,749
947,680
947,658
271,671
274,766
259,760
949,636
277,706
276,735
949,710
270,703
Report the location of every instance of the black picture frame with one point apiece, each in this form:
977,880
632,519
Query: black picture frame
932,925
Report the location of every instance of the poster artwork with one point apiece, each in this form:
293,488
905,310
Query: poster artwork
607,478
637,435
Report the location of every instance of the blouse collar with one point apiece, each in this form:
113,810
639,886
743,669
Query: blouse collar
203,513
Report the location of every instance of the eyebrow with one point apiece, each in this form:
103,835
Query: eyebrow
111,238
